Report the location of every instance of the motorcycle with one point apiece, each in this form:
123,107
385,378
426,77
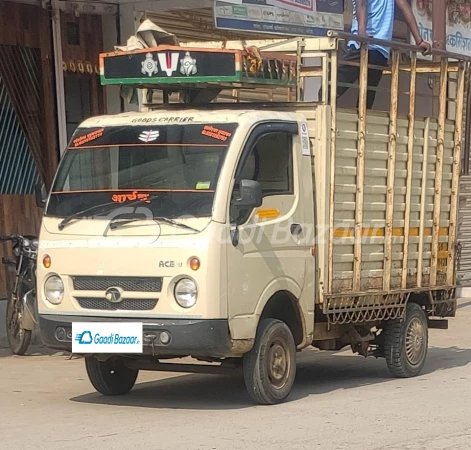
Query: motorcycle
21,314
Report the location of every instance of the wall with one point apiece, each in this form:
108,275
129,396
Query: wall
28,26
110,39
82,53
14,207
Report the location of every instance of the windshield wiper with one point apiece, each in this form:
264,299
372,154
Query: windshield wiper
176,223
78,214
117,223
69,219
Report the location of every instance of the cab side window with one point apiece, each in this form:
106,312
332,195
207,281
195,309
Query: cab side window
270,162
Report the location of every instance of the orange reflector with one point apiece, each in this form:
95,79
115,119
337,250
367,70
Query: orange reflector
195,263
47,261
268,213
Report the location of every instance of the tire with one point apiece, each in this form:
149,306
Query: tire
406,343
19,339
111,377
270,367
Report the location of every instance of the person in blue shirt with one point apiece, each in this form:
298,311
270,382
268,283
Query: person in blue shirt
374,18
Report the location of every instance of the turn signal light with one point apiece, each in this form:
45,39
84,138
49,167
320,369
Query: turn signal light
195,264
47,261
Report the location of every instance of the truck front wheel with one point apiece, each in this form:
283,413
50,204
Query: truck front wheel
111,377
270,367
406,343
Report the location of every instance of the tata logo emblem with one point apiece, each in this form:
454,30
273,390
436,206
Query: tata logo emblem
149,136
149,66
169,62
114,295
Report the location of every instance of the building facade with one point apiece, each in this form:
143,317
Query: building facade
49,83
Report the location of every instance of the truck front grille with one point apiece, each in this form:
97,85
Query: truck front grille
134,284
127,304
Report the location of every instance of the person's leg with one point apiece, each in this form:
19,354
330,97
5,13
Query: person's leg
345,74
374,75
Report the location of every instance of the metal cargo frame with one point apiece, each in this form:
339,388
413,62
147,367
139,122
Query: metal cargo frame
420,162
415,239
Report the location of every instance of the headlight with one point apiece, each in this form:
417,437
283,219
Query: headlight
54,290
186,293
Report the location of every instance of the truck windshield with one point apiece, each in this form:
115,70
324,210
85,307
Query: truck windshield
172,169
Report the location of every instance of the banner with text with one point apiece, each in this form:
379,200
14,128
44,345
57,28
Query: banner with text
295,18
301,6
458,24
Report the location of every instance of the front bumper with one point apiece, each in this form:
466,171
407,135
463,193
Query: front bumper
203,338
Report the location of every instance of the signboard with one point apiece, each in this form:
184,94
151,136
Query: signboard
169,65
458,24
179,66
302,6
295,18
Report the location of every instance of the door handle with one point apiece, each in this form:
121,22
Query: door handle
296,229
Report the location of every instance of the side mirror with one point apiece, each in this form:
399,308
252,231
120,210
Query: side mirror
40,193
250,195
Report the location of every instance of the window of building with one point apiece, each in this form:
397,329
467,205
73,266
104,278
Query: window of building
73,33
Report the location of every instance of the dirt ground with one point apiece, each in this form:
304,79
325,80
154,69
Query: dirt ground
340,401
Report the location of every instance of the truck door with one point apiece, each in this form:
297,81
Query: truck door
271,254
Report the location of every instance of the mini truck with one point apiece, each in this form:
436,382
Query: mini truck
239,234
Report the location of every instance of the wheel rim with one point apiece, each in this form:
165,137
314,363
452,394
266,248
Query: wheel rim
279,364
415,342
15,330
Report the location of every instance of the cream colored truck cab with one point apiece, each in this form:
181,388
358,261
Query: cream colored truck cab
176,234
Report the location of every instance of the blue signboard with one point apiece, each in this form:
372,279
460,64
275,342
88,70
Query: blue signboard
261,16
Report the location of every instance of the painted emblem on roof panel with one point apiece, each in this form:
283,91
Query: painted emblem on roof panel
188,65
149,65
169,62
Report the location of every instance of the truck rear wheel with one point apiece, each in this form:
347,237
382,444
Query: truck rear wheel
111,377
406,343
270,367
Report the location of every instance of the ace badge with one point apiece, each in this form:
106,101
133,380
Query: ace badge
149,65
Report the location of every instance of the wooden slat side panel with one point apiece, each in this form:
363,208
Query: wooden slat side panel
421,195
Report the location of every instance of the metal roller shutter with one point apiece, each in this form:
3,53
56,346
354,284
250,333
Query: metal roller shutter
464,232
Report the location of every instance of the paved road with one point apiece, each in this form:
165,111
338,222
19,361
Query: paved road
339,402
